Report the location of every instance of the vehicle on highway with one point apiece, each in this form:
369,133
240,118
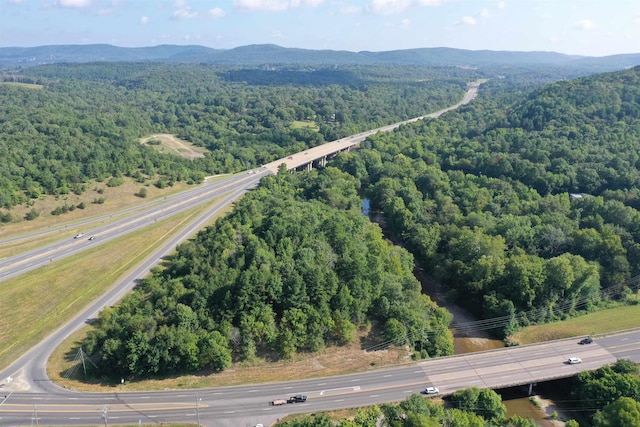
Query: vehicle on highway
431,390
92,238
574,360
290,157
278,402
587,340
79,235
297,398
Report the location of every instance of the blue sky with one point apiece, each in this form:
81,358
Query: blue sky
579,27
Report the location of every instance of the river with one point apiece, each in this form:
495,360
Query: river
516,400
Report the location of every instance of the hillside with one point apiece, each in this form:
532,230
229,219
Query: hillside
13,57
525,208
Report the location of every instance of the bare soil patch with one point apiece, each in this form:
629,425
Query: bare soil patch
167,143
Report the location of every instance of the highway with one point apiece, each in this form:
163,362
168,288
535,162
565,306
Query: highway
248,405
27,396
142,216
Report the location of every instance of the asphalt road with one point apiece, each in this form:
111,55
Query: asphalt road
135,219
247,405
27,396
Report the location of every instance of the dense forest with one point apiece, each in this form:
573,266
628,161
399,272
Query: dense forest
295,267
523,204
84,121
528,208
484,198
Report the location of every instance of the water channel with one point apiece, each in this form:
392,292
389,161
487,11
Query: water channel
516,399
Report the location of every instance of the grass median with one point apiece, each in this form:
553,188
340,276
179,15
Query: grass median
38,302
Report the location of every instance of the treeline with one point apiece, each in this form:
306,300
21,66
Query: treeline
609,396
294,268
470,407
85,121
522,212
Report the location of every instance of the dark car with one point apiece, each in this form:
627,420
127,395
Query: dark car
297,398
587,340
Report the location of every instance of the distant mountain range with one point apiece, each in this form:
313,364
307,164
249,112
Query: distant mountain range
19,57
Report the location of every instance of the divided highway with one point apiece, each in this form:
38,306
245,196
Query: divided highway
249,405
28,397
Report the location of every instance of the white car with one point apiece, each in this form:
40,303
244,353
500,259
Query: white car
574,360
431,390
79,235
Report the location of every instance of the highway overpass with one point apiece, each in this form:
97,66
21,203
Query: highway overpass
248,405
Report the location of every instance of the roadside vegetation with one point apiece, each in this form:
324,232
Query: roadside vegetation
524,205
38,302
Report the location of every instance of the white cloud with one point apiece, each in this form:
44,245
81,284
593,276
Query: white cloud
216,13
183,11
485,13
388,7
585,25
433,3
16,2
501,5
405,23
468,20
636,20
274,5
105,12
74,3
144,20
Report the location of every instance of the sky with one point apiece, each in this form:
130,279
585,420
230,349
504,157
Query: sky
575,27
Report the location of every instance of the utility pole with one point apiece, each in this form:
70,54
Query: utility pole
198,410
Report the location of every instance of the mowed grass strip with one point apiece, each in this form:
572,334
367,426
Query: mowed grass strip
612,319
38,302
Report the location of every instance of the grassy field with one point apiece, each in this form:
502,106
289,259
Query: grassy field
26,85
298,124
612,319
166,143
38,302
115,199
330,361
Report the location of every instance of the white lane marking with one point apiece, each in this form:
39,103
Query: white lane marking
355,388
387,376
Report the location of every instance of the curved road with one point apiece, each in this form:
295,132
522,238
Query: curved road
27,395
248,405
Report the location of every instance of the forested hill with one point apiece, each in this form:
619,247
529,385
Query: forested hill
295,267
600,101
74,124
11,57
525,208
